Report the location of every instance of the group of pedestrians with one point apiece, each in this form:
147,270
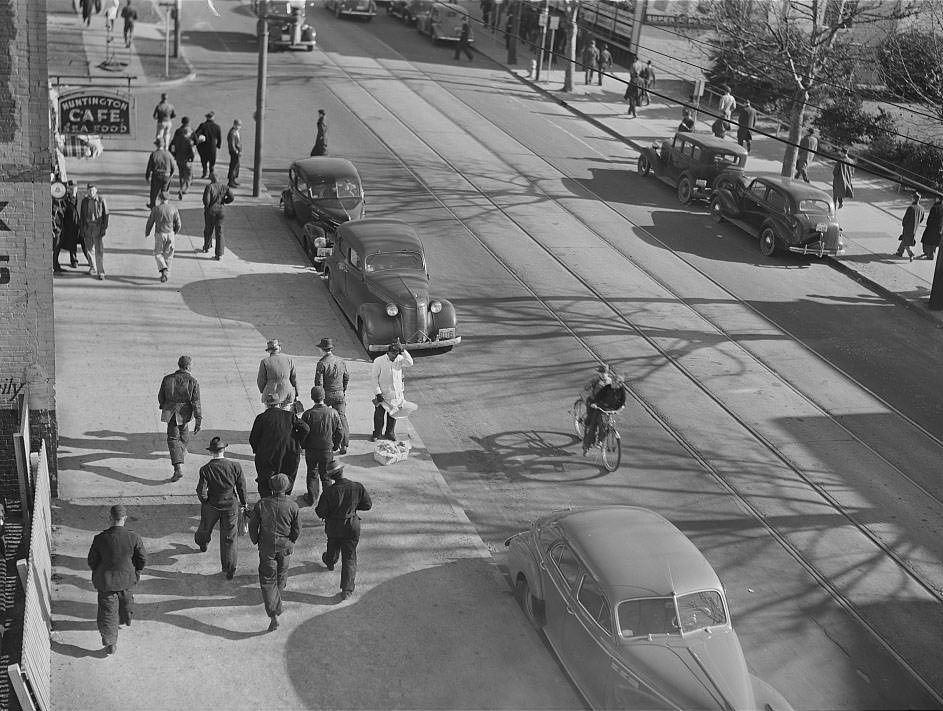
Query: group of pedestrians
112,9
932,233
84,224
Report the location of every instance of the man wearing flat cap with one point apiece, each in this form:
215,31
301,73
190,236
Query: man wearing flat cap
221,490
338,506
277,372
331,374
324,434
386,376
274,526
208,138
276,439
116,558
160,169
179,402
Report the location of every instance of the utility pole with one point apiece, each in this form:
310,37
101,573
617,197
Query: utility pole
177,28
518,10
260,98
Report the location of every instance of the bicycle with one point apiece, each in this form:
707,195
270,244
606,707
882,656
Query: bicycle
608,438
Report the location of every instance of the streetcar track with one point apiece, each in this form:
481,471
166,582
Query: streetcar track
650,409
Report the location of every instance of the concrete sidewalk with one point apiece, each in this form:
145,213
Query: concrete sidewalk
871,221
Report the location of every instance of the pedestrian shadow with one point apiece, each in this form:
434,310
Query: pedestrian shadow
77,652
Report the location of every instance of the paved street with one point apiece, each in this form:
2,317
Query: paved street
780,415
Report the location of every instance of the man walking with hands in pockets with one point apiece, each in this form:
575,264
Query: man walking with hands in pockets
221,490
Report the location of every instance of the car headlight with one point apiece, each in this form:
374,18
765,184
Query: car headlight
320,242
435,307
392,309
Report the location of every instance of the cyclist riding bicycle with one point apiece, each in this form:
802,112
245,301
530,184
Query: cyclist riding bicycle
604,391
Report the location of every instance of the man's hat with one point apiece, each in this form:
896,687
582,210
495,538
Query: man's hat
395,347
603,368
317,393
334,470
273,345
90,185
217,445
279,483
118,512
71,183
321,111
326,344
210,114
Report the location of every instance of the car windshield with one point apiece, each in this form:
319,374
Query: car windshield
815,207
727,158
701,609
645,616
332,191
398,261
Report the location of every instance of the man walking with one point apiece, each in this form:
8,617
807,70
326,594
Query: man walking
841,179
605,62
179,401
165,221
933,233
209,139
331,374
338,507
464,37
70,232
181,148
130,16
727,103
590,61
746,122
274,526
234,143
116,558
320,141
164,112
807,148
647,76
221,491
276,439
386,375
277,373
632,94
913,218
215,195
160,169
94,220
324,435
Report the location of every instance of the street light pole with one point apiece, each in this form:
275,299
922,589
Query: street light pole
260,98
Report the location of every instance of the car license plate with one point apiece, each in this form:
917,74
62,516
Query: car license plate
325,251
821,227
446,334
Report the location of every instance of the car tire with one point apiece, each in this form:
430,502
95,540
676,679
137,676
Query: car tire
362,335
767,241
533,608
717,212
685,190
644,166
288,207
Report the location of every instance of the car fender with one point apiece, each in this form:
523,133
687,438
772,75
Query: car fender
379,327
728,202
778,228
766,697
446,318
522,560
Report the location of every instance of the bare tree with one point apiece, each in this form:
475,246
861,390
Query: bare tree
801,45
911,61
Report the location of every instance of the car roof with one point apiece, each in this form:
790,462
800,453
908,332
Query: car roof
712,142
799,189
635,552
320,165
380,234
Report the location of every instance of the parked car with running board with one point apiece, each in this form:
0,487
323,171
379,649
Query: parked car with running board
364,9
693,164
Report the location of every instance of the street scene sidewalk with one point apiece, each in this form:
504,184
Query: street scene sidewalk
871,221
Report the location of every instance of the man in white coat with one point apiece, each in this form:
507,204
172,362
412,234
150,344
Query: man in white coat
387,378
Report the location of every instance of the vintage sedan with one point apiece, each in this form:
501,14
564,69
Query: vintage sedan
364,9
443,22
322,194
783,214
693,164
379,278
634,611
409,11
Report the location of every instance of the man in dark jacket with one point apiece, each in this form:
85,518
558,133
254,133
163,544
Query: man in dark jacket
179,401
745,125
276,438
338,507
606,391
215,195
209,139
117,557
181,148
70,235
221,490
320,141
324,434
331,374
274,526
913,218
160,169
933,232
234,143
464,37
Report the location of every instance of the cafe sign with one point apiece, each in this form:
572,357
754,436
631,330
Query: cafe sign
94,111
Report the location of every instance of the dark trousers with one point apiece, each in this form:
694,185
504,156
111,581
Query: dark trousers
380,416
233,168
462,46
801,167
185,175
228,518
339,403
346,550
207,160
178,439
592,425
160,183
316,462
289,467
273,577
114,607
213,227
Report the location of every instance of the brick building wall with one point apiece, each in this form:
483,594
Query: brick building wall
27,348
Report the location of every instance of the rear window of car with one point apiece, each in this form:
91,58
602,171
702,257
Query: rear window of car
645,616
332,191
396,261
701,609
817,207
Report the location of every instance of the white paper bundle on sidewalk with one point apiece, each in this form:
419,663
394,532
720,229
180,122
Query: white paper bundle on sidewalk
391,452
404,409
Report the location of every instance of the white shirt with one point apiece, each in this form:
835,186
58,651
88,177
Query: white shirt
387,377
727,105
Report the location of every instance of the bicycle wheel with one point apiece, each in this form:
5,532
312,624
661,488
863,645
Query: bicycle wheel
611,450
579,417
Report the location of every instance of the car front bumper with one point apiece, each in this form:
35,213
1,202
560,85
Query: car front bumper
423,346
358,13
817,249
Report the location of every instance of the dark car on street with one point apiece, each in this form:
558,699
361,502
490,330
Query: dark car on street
409,11
782,214
443,22
322,194
634,612
378,276
693,164
364,9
